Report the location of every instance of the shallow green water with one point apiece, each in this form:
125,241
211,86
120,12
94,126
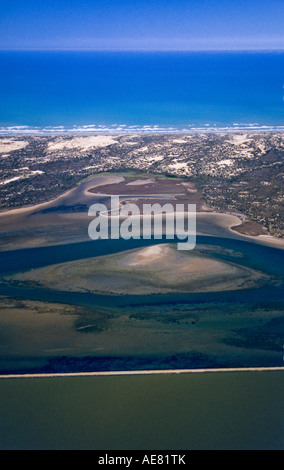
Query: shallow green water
239,410
99,332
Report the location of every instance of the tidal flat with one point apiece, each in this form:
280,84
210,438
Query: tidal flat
146,271
52,330
71,304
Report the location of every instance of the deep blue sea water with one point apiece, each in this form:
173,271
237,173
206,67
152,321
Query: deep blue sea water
119,90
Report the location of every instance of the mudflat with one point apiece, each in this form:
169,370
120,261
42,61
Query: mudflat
157,269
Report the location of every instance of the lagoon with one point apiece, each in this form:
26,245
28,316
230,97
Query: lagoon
226,411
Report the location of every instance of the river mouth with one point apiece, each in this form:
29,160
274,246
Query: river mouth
46,330
75,305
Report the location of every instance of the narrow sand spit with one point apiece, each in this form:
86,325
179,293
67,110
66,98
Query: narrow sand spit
262,239
141,372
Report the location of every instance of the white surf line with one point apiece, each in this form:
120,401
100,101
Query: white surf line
139,372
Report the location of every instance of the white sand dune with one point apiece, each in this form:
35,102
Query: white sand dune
83,143
10,145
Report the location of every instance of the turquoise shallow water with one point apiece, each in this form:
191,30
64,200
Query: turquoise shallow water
242,410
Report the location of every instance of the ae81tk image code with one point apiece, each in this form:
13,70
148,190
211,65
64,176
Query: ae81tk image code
133,461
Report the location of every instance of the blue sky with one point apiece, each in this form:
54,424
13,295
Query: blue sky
142,24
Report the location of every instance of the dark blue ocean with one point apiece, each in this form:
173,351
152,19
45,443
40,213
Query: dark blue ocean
96,91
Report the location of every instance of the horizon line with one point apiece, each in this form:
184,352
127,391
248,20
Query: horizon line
133,50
